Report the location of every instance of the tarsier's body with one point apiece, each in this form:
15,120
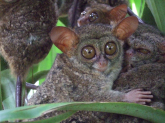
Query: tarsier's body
24,37
145,68
80,75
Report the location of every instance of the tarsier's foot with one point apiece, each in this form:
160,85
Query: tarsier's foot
138,96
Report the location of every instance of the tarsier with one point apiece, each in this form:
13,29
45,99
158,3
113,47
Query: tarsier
24,37
144,64
102,13
92,60
76,8
145,68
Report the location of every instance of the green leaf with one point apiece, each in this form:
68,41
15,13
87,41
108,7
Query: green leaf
56,119
132,109
1,108
4,64
9,102
8,89
147,16
157,8
37,76
28,112
137,6
32,71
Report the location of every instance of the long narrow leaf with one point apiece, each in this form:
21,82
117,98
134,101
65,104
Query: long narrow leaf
8,89
157,8
132,109
28,112
1,108
137,6
37,76
56,119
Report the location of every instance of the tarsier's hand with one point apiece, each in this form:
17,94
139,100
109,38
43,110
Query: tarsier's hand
138,96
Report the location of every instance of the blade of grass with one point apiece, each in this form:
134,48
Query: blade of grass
132,109
8,89
157,8
137,6
28,112
37,76
1,108
56,119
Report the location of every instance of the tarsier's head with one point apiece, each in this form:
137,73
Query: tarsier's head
147,45
96,47
101,13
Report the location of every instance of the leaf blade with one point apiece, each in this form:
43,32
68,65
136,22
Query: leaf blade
157,9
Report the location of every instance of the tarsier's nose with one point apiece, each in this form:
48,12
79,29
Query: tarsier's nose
129,53
102,64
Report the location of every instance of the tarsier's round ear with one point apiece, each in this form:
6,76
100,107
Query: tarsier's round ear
126,28
117,14
64,38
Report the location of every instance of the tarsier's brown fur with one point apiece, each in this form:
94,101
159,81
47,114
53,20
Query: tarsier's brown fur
24,37
72,78
144,63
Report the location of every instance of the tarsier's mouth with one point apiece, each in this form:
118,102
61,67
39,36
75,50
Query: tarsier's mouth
100,67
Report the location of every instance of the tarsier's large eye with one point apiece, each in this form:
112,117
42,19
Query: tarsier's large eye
144,51
93,16
88,52
110,48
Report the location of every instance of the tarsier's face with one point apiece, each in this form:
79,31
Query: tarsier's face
96,14
96,47
102,13
89,15
99,54
144,50
139,53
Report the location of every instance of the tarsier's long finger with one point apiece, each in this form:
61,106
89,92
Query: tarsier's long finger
146,96
144,92
144,100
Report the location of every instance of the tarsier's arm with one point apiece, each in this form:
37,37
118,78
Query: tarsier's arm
138,96
133,96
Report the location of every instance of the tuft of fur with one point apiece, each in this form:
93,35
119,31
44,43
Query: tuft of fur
24,37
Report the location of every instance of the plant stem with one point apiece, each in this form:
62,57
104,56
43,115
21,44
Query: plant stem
1,107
